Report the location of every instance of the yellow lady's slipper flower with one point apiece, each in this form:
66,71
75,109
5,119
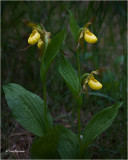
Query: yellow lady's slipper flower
90,37
94,84
40,36
91,81
40,44
34,37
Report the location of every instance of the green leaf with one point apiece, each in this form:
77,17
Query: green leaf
54,144
46,147
68,73
27,108
99,123
101,95
51,52
68,145
74,27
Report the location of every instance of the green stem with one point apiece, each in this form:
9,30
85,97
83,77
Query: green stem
78,65
78,106
83,76
45,107
79,125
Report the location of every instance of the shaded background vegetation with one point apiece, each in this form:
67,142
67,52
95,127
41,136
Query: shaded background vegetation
23,68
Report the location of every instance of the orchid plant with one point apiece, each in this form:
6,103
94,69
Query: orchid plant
32,113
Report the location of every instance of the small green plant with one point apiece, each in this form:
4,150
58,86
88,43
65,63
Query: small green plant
58,142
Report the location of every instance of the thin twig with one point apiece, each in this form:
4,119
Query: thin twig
25,48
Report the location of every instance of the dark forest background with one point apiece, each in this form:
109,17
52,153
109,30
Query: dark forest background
24,68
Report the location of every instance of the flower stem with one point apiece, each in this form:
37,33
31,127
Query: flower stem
45,107
83,77
79,125
78,65
78,106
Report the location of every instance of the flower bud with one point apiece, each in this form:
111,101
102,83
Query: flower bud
34,37
90,37
94,84
40,44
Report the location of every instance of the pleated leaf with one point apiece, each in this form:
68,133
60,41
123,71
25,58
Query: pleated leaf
99,123
27,108
68,145
51,52
52,144
101,95
68,73
74,27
